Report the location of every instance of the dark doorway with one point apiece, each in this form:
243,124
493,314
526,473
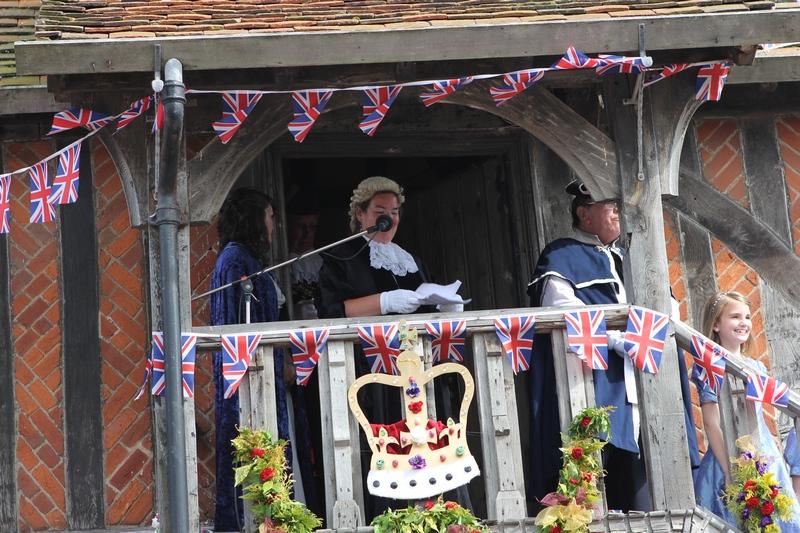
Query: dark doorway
457,217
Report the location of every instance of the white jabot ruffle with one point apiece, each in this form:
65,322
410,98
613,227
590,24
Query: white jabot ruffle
389,256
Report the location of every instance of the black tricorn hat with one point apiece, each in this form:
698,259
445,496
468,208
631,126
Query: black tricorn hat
577,189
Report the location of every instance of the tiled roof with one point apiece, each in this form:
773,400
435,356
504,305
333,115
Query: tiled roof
62,19
17,19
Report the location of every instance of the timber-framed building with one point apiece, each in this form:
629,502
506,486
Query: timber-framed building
718,205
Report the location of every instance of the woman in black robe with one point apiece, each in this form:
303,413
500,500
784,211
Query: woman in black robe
371,277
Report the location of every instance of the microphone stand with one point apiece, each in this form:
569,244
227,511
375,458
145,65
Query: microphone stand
373,229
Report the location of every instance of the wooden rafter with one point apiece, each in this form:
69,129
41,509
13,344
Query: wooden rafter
751,240
537,38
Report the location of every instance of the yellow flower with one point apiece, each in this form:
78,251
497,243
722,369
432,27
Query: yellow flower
574,517
772,528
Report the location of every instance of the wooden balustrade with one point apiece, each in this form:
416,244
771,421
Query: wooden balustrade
502,463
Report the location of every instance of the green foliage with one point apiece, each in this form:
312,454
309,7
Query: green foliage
569,509
431,517
267,486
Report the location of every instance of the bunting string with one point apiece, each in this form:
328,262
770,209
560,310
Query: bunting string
308,105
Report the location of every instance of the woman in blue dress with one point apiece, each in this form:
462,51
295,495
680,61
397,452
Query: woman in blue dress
245,226
727,321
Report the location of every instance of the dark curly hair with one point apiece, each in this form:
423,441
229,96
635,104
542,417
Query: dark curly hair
241,219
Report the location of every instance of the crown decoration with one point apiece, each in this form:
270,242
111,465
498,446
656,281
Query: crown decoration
416,457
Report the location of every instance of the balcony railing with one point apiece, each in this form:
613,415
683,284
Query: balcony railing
497,409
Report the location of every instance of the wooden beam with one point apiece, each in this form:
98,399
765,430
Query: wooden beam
24,100
768,201
91,56
8,422
647,284
586,149
83,412
752,241
767,69
671,108
130,159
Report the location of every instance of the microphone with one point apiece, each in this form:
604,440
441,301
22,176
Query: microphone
382,223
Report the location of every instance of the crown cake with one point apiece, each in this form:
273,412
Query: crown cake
417,457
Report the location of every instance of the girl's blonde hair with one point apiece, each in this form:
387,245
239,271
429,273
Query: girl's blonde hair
713,310
364,193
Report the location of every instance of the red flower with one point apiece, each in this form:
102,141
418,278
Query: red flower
415,407
774,493
577,453
587,476
585,421
767,509
752,502
267,474
450,505
574,480
257,452
428,505
749,484
555,529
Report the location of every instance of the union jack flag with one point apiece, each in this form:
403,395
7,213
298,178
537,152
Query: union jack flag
586,336
377,101
307,347
77,117
444,88
667,71
236,107
448,339
514,83
709,359
307,106
619,65
159,383
148,369
573,59
645,337
5,203
65,184
136,109
381,346
711,80
237,353
41,209
158,122
516,336
767,389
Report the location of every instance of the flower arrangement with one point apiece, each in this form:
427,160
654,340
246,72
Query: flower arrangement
571,507
438,516
754,497
265,483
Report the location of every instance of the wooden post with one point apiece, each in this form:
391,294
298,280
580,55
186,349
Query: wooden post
502,457
346,512
663,424
159,407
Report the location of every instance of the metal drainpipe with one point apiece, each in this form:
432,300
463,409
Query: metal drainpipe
168,218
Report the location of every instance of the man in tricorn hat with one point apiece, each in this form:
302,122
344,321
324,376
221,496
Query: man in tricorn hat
586,269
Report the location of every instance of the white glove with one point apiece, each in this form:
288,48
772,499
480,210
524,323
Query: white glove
399,301
616,341
450,308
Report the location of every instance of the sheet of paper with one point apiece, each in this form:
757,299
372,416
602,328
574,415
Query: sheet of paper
434,294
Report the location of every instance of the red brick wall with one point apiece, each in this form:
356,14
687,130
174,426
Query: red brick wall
127,437
34,273
34,266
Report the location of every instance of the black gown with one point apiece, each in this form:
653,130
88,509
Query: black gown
346,274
